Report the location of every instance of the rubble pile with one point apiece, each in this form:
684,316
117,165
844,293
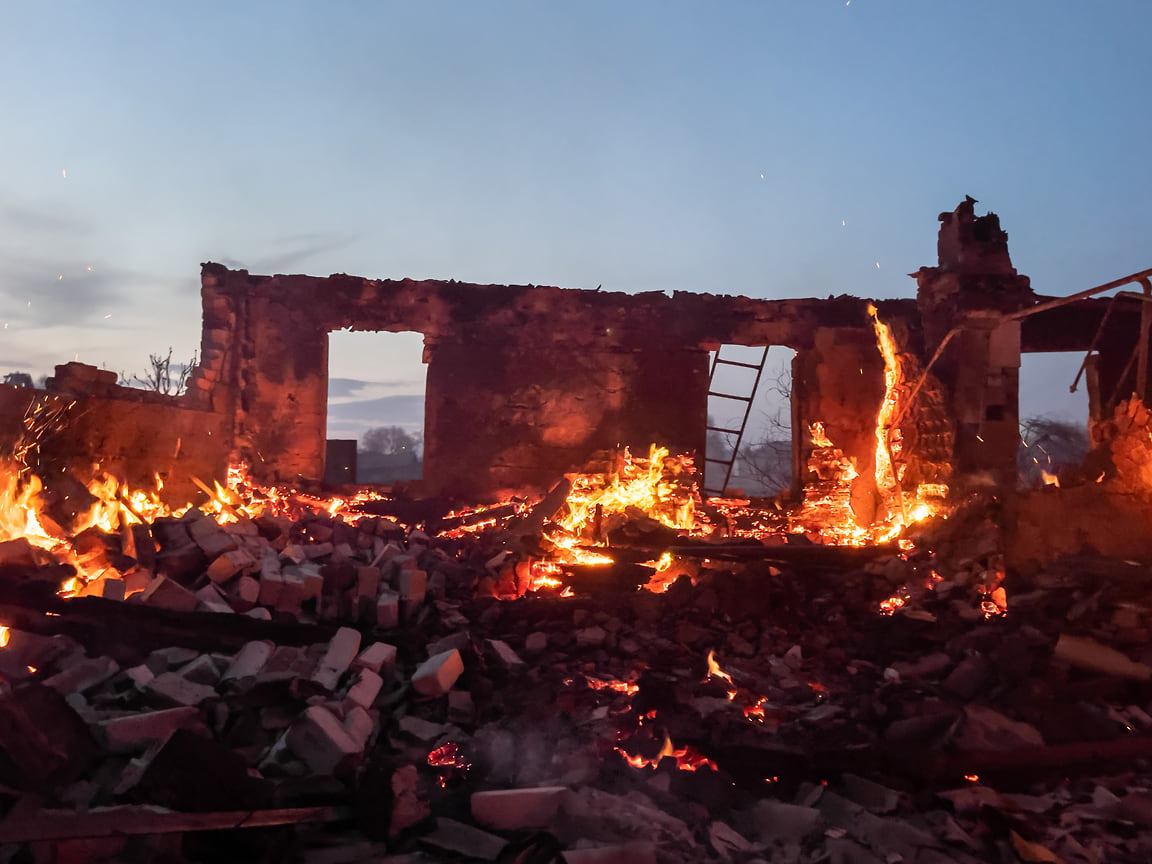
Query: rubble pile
319,689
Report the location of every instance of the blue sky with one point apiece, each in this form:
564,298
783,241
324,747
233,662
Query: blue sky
614,143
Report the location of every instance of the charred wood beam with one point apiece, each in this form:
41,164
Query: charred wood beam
120,630
798,555
1073,327
25,825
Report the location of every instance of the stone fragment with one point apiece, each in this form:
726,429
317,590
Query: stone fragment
163,593
244,593
140,675
380,657
628,853
359,725
367,581
1086,653
513,809
364,690
456,837
320,740
591,637
83,676
108,587
231,563
342,650
460,707
291,594
211,600
388,609
412,585
508,658
178,689
134,733
249,660
536,643
271,584
780,822
202,670
436,675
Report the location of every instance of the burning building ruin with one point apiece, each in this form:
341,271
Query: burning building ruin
473,669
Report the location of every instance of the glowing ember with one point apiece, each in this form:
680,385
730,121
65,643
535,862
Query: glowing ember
5,635
449,761
687,758
889,606
628,687
972,778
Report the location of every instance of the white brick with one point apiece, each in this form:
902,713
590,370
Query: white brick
380,657
508,658
202,670
412,585
359,725
513,809
271,584
176,688
133,733
244,593
342,650
364,691
438,673
231,563
291,594
318,738
211,601
107,587
367,581
163,593
388,609
249,660
84,675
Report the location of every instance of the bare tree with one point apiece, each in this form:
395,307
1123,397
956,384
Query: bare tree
163,377
391,440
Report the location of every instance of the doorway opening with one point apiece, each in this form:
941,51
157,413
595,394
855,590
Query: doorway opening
376,387
1053,421
761,409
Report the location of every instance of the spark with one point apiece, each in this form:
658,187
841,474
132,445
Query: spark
877,265
89,268
844,222
109,315
64,173
761,176
60,278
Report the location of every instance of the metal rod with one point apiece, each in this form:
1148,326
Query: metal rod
1095,340
1142,276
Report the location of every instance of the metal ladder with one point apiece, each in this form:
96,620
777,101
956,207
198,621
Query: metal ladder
739,433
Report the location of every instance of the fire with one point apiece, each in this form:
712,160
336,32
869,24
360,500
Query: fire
627,687
687,758
714,670
818,436
889,442
5,635
640,483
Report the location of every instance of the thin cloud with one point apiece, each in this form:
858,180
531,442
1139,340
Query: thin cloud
290,251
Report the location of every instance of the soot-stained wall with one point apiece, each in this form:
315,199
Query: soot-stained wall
524,382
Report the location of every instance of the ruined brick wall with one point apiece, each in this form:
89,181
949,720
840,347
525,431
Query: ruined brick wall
125,433
524,382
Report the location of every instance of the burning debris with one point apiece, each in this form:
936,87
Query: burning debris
897,661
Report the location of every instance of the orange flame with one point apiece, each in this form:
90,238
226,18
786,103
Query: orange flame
687,758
